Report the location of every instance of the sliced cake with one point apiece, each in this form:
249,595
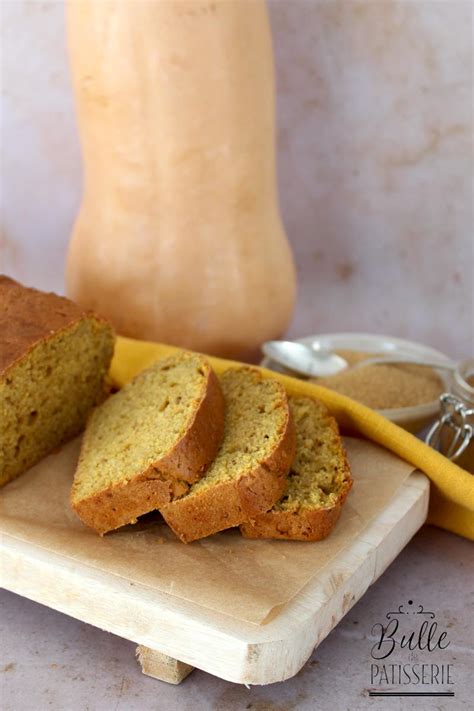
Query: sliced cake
248,474
149,442
317,485
54,357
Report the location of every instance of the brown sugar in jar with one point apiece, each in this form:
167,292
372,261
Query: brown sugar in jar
384,387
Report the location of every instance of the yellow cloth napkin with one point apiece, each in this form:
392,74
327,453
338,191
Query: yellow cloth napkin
452,490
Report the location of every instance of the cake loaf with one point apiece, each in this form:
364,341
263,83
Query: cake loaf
317,484
149,442
248,474
54,357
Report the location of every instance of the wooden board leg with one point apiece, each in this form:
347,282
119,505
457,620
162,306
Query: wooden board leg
162,667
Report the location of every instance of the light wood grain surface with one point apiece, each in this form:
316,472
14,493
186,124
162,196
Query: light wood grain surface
240,652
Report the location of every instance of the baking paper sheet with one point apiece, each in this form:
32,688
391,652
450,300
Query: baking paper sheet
250,580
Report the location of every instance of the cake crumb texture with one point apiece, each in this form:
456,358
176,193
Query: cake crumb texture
318,482
249,471
54,358
148,442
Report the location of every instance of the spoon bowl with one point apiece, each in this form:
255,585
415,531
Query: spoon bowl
303,359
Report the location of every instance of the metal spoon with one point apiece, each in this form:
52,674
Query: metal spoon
318,362
303,359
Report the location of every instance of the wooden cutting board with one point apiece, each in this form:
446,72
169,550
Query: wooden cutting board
169,629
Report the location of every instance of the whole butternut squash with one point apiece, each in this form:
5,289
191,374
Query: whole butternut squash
179,237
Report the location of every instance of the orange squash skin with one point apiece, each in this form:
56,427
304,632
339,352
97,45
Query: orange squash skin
179,237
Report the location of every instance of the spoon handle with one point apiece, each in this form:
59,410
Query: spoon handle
439,365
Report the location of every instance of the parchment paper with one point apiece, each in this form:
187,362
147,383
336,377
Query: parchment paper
244,578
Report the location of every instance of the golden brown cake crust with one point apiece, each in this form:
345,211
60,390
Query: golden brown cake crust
34,376
116,506
228,504
197,448
29,316
166,478
306,525
311,525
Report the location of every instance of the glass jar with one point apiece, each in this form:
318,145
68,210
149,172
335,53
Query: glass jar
453,433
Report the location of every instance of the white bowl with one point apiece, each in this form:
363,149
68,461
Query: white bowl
410,418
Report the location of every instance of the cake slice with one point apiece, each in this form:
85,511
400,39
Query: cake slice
54,357
149,442
248,474
317,485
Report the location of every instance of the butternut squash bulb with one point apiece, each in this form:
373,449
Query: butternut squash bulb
179,237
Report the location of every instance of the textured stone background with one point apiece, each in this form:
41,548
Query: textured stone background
374,149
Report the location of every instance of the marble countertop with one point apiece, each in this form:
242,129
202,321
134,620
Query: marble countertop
51,661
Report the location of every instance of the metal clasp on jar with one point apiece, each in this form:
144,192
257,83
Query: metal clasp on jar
454,415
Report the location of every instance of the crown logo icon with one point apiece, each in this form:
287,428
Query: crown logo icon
410,611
